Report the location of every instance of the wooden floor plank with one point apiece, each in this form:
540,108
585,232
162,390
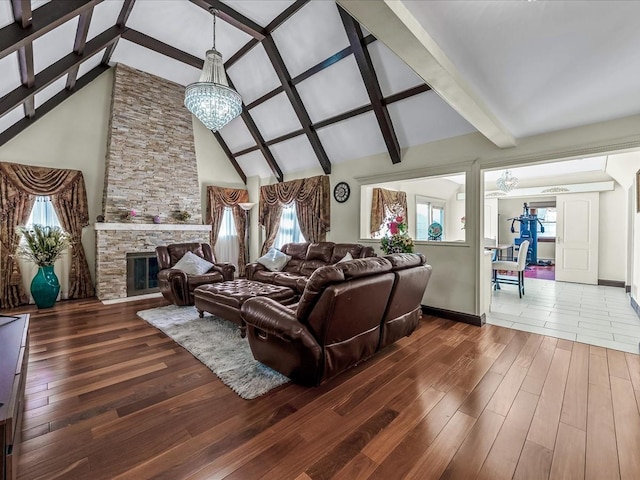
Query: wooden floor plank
574,405
544,426
569,455
627,421
110,397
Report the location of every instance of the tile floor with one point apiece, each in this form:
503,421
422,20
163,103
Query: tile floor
592,314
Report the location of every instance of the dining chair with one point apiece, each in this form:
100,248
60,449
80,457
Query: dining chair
518,266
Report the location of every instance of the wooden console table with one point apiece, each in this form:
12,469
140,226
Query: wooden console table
14,356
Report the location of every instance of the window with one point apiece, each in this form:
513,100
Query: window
43,213
289,231
428,212
227,246
547,215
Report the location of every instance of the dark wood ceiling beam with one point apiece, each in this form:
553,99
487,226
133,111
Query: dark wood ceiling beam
162,48
125,11
230,156
50,104
410,92
22,12
296,102
265,97
361,54
58,69
343,116
345,52
79,43
44,19
259,139
242,152
285,15
241,53
232,17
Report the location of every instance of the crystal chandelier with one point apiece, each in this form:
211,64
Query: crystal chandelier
211,99
507,182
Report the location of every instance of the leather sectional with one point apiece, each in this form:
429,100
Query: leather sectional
306,258
346,313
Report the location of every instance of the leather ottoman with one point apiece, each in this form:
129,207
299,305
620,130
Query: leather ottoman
225,299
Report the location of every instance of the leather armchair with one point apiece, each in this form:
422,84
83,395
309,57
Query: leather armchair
177,286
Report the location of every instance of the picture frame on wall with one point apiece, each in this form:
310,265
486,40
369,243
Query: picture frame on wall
638,191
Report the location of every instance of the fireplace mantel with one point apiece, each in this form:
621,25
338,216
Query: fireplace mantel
152,226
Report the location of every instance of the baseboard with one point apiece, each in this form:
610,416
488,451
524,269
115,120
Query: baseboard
611,283
635,306
132,299
477,320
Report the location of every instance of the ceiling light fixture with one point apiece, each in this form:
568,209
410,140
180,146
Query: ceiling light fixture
211,99
507,182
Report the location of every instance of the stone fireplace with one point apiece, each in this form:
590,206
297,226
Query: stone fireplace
150,168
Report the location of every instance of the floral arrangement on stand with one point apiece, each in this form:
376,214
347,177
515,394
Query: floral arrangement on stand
397,240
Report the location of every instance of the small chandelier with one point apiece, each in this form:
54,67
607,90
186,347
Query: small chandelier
507,182
211,99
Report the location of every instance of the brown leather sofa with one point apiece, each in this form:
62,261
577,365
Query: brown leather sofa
347,312
306,258
177,286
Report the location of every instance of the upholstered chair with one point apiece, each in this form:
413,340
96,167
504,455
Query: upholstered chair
176,285
518,266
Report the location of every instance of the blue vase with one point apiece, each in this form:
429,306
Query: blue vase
45,287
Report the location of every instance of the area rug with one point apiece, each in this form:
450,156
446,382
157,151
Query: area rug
217,344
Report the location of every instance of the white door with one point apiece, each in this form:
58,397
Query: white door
491,219
577,238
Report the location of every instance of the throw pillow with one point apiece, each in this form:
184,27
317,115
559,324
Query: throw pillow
346,258
274,260
192,264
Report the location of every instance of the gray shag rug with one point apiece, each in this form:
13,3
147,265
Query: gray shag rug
217,344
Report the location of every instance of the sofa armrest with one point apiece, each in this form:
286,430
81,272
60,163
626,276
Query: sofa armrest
252,268
276,319
172,275
226,269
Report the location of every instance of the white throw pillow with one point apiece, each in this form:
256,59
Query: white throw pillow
192,264
274,260
346,258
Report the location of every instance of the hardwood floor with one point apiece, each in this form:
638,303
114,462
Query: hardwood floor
109,396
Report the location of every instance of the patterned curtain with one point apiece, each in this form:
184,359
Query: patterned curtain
19,185
217,199
384,203
313,207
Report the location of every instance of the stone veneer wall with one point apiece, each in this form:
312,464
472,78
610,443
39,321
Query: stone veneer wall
150,167
151,162
112,249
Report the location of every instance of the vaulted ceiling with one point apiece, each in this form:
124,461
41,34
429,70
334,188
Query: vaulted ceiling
318,88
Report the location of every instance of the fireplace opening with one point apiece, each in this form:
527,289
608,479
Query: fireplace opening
142,273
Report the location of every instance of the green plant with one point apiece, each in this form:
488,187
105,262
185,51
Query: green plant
184,216
398,239
42,245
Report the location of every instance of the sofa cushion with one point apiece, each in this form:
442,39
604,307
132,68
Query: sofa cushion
307,268
321,251
295,282
177,251
196,280
341,249
400,261
192,264
297,251
274,260
264,276
346,258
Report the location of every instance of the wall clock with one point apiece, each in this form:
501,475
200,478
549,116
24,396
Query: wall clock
341,192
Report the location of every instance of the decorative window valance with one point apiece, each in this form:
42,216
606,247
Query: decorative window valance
19,185
313,207
385,203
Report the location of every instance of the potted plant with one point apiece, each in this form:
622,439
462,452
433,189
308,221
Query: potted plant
397,240
43,246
